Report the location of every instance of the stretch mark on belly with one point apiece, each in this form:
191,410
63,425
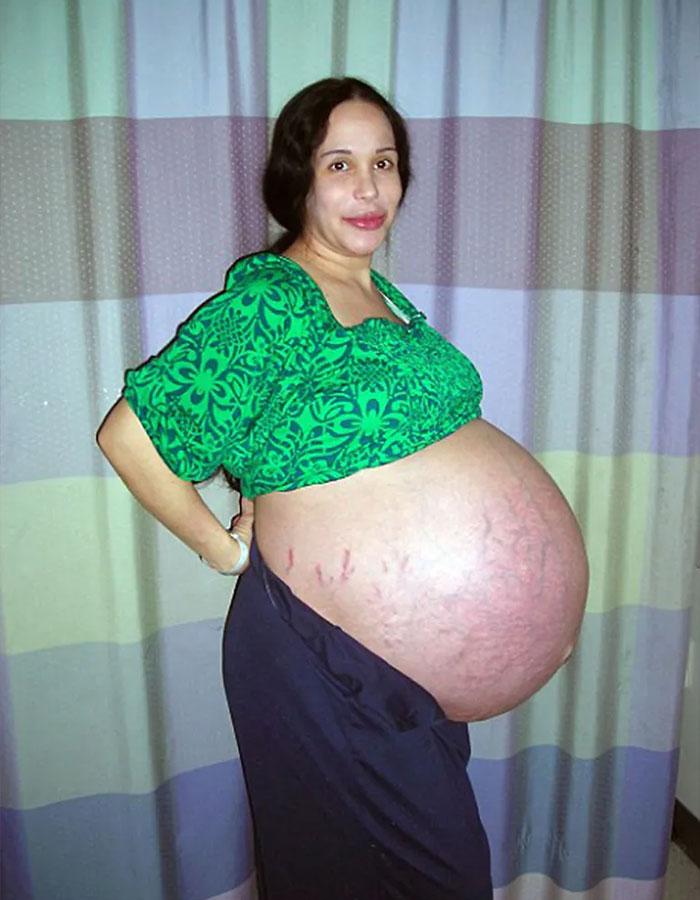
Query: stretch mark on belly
519,550
323,580
347,569
290,560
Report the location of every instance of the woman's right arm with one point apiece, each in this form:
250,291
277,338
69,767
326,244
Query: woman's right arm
173,501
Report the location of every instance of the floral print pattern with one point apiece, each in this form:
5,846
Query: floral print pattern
263,380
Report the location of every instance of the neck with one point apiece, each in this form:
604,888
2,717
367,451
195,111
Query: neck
310,254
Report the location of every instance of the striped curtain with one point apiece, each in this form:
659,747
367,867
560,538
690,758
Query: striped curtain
552,233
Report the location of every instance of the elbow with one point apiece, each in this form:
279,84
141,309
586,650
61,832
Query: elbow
104,439
123,440
99,436
108,434
103,442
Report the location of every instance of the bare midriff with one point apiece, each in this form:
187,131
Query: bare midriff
461,565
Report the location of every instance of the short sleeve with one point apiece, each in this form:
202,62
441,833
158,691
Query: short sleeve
200,396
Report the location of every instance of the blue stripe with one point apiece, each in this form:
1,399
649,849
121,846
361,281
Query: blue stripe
198,59
679,62
646,400
499,344
15,871
543,810
577,820
676,415
189,840
493,47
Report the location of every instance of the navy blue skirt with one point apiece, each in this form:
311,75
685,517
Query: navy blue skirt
357,782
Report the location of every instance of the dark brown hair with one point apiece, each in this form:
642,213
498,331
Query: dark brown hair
299,131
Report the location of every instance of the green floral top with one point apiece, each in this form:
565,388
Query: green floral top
263,380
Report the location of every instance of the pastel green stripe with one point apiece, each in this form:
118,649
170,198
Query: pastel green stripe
638,514
601,63
611,496
312,39
300,46
99,727
113,575
81,562
671,565
58,65
370,42
118,719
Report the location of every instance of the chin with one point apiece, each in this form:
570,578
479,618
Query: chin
366,245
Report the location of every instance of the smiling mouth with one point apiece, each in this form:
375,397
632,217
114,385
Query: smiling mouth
367,223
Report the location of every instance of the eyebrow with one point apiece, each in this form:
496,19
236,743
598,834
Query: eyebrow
349,152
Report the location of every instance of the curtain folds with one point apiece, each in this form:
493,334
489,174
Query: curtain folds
552,233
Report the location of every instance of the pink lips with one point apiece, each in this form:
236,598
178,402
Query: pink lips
368,223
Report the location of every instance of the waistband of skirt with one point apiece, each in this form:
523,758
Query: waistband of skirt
356,671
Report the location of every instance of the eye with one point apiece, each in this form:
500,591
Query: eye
338,165
385,164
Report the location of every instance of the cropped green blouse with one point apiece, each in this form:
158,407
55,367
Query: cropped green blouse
264,381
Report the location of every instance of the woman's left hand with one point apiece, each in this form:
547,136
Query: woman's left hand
242,524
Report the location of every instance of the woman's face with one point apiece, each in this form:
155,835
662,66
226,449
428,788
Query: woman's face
356,186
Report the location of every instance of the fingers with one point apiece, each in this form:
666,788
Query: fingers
243,522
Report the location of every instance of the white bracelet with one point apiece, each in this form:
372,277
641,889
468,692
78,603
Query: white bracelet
240,563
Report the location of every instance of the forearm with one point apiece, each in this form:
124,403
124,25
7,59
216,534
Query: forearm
174,502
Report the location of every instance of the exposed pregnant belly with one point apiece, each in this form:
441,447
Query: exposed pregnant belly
461,565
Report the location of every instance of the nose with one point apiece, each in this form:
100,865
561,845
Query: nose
366,185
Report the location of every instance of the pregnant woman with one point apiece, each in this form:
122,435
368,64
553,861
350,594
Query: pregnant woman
412,568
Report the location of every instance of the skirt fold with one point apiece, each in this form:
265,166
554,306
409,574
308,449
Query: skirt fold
357,781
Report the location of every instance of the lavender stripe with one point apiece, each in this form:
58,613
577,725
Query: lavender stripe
215,846
570,818
214,211
501,324
679,211
505,168
168,203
